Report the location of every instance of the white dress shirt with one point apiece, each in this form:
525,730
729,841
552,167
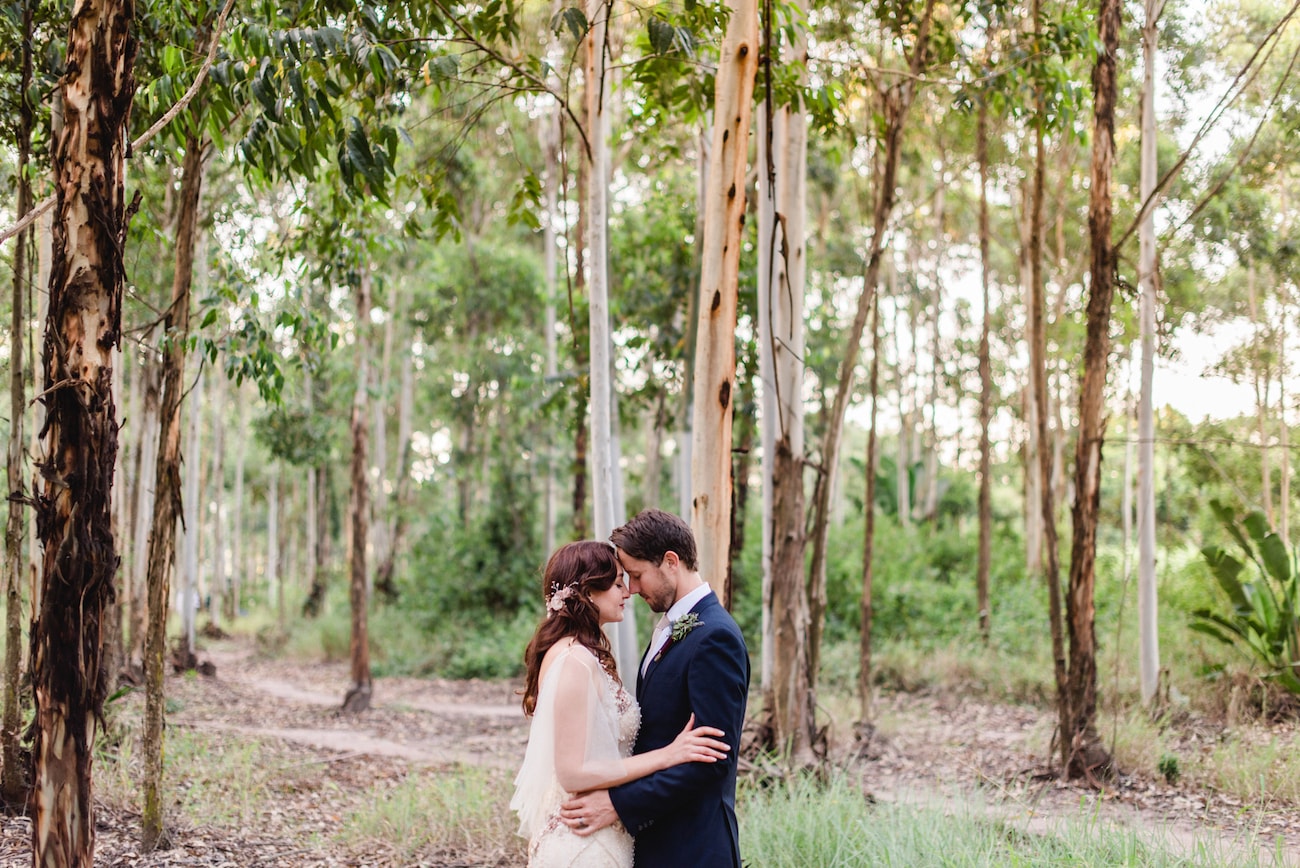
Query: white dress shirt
663,627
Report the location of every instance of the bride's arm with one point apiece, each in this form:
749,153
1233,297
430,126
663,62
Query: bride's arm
586,750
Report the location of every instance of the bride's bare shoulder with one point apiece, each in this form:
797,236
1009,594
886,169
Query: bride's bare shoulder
562,648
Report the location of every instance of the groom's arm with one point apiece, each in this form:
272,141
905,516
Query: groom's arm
717,686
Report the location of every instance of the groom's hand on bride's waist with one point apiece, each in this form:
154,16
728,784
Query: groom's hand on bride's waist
588,812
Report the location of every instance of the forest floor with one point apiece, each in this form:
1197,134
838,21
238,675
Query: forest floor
324,767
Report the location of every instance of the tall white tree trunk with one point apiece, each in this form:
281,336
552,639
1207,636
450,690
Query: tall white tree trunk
217,486
147,427
191,522
550,141
902,478
273,538
1284,435
685,437
931,510
238,559
782,166
715,351
1148,636
601,403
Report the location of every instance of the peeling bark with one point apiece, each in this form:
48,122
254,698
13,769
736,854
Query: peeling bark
715,352
1083,751
74,509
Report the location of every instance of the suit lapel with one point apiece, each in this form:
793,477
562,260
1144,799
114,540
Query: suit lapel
699,609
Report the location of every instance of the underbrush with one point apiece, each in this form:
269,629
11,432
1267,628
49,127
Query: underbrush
460,810
833,825
405,640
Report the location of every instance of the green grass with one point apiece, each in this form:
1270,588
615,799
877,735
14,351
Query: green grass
1264,771
459,810
803,824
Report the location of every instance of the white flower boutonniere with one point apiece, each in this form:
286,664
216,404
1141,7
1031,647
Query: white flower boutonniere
681,627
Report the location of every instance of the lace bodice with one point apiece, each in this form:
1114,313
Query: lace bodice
625,710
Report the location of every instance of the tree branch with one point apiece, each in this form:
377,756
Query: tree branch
48,202
1210,121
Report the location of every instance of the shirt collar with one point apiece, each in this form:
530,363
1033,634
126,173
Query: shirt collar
686,603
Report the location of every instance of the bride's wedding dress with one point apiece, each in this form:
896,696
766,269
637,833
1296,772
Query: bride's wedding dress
583,727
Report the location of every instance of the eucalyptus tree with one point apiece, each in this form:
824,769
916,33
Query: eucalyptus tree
74,501
909,28
203,24
358,693
12,784
782,266
1149,648
1082,751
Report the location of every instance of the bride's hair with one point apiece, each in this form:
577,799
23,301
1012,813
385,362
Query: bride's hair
574,572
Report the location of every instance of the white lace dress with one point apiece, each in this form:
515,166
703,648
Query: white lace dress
583,727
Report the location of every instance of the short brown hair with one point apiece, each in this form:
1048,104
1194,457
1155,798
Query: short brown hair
654,533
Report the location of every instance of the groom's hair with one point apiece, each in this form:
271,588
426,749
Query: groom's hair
654,533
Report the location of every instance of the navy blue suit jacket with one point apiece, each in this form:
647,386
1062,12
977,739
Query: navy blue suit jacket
685,816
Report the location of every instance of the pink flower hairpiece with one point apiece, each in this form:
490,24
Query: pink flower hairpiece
558,596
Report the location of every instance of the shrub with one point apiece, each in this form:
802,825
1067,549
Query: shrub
1263,618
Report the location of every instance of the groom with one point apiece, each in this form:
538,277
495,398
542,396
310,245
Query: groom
697,664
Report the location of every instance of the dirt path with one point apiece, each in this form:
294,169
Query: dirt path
929,751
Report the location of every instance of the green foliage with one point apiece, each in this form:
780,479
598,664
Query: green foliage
1169,768
801,822
294,435
1263,616
456,809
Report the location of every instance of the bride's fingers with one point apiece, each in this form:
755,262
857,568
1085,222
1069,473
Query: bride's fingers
690,724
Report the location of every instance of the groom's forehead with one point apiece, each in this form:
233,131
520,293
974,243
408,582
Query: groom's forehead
628,562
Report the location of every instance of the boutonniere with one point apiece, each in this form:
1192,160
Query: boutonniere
684,625
680,629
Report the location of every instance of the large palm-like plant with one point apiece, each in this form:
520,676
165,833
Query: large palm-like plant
1264,616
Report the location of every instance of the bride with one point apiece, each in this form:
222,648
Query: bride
583,721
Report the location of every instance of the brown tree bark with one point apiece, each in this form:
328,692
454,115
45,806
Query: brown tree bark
358,694
74,502
867,610
13,783
167,490
1083,752
1038,378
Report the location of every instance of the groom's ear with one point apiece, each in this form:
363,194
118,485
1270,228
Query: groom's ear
671,560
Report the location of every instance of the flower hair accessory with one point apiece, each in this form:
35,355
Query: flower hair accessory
558,597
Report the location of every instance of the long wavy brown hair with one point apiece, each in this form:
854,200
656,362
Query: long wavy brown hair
585,566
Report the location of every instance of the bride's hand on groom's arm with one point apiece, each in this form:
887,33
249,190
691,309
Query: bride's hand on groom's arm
588,812
696,745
